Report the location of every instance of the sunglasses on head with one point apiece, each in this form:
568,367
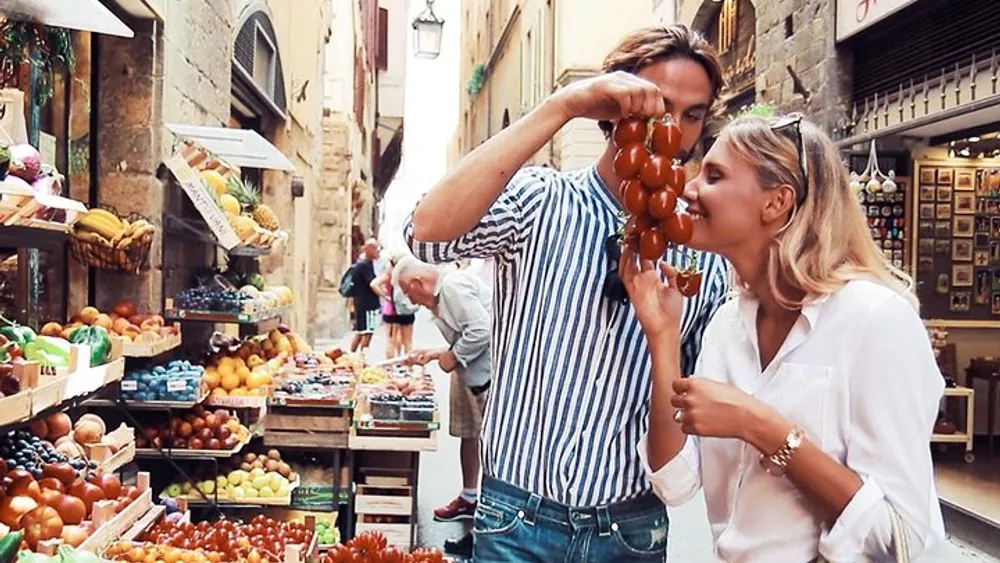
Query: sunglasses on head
792,123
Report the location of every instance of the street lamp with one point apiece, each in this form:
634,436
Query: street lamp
427,29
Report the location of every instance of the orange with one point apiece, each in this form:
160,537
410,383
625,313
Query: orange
243,372
230,381
212,378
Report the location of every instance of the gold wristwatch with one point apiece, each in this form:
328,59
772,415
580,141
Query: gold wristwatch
777,463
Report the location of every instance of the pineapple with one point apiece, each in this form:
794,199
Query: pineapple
243,225
250,198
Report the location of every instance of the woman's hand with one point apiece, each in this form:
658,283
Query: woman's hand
658,305
718,410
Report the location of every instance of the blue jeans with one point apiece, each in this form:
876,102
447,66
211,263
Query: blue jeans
512,524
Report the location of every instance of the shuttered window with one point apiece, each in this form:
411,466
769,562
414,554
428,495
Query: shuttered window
382,60
920,41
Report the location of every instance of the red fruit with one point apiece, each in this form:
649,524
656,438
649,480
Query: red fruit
634,197
630,160
662,203
630,130
676,179
655,172
678,228
666,139
652,244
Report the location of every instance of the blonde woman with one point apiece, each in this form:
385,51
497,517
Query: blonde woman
808,417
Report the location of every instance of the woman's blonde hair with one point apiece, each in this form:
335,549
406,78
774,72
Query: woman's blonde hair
827,241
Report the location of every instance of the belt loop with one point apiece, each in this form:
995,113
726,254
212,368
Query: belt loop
603,521
531,509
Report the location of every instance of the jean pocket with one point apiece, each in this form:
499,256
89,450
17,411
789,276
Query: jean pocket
646,537
493,519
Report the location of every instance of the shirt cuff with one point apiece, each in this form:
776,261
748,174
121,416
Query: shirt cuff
846,540
678,480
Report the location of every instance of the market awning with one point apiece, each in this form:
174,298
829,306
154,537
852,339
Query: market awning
85,15
239,147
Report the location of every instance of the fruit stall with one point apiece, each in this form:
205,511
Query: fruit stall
207,430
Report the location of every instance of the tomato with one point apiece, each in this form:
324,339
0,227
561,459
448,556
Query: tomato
678,228
652,244
676,179
630,130
634,197
688,283
629,161
655,172
662,203
666,139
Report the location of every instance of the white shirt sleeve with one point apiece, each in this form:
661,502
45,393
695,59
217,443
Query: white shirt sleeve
895,387
679,480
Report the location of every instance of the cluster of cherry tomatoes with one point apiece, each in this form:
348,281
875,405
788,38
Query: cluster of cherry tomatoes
261,539
651,184
372,547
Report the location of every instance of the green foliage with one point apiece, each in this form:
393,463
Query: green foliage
477,80
48,49
756,110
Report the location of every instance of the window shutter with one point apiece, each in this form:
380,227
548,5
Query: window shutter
382,62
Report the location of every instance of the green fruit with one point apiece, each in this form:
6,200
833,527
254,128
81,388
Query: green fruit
174,490
257,281
260,482
251,493
221,482
235,477
239,492
207,487
266,492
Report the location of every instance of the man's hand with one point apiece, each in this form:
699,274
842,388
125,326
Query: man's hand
422,357
611,97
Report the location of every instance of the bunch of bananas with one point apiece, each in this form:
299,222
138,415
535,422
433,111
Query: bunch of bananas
102,227
373,375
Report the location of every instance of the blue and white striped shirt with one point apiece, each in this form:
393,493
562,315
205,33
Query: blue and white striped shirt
570,393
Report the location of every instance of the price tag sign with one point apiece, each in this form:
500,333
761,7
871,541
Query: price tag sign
130,385
194,188
174,385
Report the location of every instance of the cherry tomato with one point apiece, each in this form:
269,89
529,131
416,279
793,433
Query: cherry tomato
662,203
630,160
676,179
678,228
630,130
688,283
652,244
666,139
655,172
634,197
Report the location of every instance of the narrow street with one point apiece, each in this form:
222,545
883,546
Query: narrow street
690,538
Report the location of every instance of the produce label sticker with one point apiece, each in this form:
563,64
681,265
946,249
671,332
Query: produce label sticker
130,385
194,188
175,385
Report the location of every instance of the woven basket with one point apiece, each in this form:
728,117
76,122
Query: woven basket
129,260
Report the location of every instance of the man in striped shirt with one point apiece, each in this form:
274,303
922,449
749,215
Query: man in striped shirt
570,398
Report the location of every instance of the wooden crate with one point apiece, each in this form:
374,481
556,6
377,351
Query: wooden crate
395,442
48,393
395,534
394,501
309,419
145,348
110,526
298,439
121,439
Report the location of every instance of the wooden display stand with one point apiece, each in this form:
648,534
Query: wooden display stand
965,437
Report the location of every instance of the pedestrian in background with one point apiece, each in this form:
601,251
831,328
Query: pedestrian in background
398,312
462,307
366,302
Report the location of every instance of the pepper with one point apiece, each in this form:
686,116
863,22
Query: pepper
98,340
49,351
9,545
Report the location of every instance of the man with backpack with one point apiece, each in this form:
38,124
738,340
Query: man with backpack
356,284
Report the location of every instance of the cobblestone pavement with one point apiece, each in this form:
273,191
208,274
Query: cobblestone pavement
440,478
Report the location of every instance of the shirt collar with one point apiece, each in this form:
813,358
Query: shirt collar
748,311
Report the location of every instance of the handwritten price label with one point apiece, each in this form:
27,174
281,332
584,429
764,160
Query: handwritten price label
130,385
194,188
175,385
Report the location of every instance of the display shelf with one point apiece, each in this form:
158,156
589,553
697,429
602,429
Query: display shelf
147,453
197,229
236,402
292,402
147,405
56,393
151,349
396,425
965,437
197,500
255,317
379,440
32,237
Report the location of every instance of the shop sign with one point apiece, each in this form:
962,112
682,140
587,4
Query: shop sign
856,15
195,189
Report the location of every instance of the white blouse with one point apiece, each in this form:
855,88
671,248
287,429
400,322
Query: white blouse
857,374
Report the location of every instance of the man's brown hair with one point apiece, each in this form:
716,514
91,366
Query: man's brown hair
650,45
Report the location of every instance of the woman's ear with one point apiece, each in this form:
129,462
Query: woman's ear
778,203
